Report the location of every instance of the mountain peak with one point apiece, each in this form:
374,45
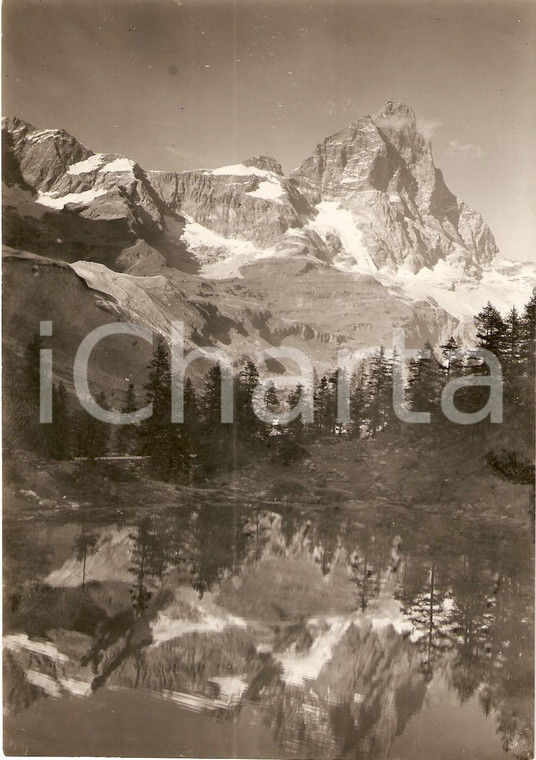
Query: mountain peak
12,123
266,163
377,176
396,110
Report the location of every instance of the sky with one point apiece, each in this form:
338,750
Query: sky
179,84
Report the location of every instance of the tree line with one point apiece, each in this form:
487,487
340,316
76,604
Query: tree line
202,446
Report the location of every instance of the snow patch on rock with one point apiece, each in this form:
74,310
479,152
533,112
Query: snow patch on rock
167,627
334,220
505,283
91,164
269,190
75,687
232,689
57,687
120,164
44,134
46,199
197,236
20,641
44,682
298,668
102,163
221,258
109,562
301,667
240,170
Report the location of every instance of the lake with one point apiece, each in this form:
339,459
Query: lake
232,627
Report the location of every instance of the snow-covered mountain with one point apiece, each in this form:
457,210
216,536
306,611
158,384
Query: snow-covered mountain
363,236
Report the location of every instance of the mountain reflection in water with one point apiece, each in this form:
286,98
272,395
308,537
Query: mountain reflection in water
368,631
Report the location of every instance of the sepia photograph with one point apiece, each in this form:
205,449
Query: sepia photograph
268,379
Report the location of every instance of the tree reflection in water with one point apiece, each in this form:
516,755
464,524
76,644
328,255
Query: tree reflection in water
333,626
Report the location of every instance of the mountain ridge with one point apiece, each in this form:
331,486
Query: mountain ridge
362,237
381,161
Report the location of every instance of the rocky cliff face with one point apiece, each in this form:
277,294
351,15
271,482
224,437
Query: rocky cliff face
37,158
64,201
363,236
246,201
381,169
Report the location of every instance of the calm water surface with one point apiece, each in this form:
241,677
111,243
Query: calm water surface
228,629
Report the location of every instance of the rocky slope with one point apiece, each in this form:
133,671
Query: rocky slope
381,169
363,236
63,201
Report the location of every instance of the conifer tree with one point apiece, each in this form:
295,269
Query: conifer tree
158,385
358,403
188,432
50,439
156,432
325,406
528,358
271,400
333,380
425,375
425,383
379,408
528,332
217,545
490,330
513,341
512,455
126,438
491,335
216,449
169,444
249,427
90,435
148,564
85,545
296,428
191,409
452,361
185,440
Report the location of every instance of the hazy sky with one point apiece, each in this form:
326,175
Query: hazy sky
178,84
